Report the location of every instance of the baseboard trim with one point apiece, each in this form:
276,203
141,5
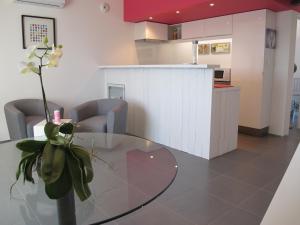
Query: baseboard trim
253,131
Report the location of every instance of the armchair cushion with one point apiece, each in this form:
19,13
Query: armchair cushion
94,123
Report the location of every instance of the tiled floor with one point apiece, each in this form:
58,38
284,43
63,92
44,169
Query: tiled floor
235,189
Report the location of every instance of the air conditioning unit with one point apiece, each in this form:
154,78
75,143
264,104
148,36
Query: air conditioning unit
51,3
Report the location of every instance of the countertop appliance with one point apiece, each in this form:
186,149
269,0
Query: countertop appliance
222,75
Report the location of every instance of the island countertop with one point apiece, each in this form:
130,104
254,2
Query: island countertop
169,66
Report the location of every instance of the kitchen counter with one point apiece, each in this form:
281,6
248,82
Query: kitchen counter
170,66
177,106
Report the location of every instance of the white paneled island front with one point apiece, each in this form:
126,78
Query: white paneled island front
177,106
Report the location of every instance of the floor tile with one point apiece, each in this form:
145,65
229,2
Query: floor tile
274,167
154,214
199,207
237,217
230,190
273,185
241,156
258,203
221,164
250,175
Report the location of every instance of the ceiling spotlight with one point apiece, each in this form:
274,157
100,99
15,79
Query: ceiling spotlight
212,4
150,18
177,12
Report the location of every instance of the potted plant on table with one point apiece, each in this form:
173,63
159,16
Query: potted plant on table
62,165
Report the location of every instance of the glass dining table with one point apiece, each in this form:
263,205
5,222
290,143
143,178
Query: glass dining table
129,172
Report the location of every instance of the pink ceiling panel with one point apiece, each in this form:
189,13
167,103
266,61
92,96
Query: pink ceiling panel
164,11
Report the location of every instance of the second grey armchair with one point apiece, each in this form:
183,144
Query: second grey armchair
104,115
21,116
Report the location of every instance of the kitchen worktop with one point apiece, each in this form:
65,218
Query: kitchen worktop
184,66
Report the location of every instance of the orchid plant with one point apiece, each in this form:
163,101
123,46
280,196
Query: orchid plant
35,63
62,165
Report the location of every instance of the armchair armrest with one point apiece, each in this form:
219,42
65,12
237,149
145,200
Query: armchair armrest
84,111
15,120
117,119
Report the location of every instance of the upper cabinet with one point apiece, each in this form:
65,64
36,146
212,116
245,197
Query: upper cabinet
151,31
192,29
217,26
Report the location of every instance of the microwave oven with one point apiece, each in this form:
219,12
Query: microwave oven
222,74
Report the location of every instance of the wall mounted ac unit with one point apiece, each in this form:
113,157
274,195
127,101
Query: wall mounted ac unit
51,3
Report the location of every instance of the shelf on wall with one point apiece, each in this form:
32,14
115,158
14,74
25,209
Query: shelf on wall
174,32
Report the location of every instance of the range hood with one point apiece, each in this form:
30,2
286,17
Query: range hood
149,31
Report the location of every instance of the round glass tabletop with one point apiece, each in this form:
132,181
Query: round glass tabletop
129,172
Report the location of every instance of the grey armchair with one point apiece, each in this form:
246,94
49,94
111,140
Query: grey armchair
105,115
21,116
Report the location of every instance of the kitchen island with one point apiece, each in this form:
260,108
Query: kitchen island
177,106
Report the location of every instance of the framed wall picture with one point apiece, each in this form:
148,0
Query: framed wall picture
220,48
203,49
35,29
270,38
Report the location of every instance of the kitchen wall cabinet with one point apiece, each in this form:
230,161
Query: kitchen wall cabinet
218,26
192,29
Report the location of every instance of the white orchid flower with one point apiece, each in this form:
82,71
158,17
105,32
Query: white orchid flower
57,51
28,68
54,57
52,61
31,52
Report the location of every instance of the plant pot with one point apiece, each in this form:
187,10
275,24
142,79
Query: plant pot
66,209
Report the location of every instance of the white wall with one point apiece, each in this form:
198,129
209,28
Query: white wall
90,38
179,53
269,60
286,27
248,63
284,208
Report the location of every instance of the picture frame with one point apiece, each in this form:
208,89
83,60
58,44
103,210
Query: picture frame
36,28
203,49
271,38
221,48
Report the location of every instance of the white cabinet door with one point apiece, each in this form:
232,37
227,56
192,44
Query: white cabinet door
207,28
218,26
192,29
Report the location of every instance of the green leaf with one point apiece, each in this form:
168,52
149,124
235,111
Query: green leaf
28,169
59,141
31,146
58,165
51,130
53,163
47,160
84,156
61,187
67,128
78,177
